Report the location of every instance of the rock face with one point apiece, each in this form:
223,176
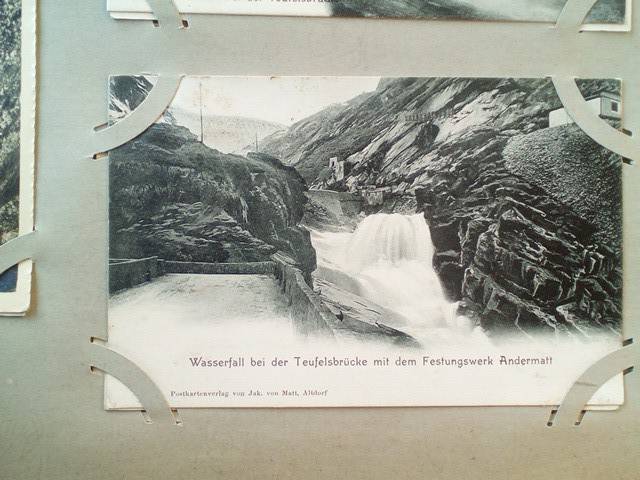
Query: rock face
519,238
385,137
173,197
530,252
310,143
562,160
519,259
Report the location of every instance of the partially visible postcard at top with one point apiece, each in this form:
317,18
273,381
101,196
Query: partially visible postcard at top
605,12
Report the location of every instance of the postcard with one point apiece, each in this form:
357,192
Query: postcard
608,14
364,241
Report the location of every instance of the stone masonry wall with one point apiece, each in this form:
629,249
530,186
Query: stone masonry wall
127,273
246,268
310,314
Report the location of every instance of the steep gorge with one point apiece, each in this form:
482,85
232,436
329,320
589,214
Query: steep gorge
518,251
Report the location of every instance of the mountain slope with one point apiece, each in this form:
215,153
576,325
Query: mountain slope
227,134
309,143
363,131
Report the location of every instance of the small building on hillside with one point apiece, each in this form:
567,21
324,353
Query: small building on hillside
337,169
373,198
606,105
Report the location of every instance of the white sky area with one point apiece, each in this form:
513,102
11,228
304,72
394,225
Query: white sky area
283,100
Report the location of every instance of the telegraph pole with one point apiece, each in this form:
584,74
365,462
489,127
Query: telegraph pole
201,120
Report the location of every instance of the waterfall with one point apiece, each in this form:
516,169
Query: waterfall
390,239
388,261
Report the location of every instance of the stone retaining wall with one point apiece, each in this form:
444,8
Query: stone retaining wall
339,203
310,314
127,273
248,268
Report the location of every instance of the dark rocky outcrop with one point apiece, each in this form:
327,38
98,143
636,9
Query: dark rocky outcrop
516,256
562,161
177,199
309,143
527,252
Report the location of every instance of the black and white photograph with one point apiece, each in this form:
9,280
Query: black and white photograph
364,241
10,23
604,12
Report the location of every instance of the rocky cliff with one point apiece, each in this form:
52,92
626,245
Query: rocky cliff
309,143
173,197
562,161
521,247
516,256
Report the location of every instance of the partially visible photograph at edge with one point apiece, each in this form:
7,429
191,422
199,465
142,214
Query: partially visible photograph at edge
10,24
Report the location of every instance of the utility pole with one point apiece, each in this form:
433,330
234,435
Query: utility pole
201,120
257,151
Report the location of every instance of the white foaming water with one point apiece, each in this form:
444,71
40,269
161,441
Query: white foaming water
388,261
